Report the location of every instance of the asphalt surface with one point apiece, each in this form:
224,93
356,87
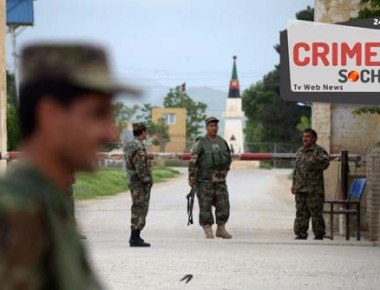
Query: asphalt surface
262,254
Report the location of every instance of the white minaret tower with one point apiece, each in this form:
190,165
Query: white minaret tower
233,116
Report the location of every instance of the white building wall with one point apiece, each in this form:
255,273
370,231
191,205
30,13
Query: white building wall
233,118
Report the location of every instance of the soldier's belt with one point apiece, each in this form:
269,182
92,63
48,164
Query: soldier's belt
214,175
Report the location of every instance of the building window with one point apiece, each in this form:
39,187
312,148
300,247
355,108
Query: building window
169,119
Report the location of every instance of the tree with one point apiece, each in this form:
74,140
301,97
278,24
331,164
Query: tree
13,124
270,118
145,113
371,9
303,124
122,114
195,111
306,15
158,130
160,133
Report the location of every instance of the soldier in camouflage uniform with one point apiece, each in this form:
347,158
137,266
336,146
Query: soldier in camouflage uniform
65,119
308,186
140,183
209,164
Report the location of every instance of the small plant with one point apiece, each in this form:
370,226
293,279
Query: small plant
265,165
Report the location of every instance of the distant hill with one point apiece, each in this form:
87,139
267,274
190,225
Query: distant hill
214,99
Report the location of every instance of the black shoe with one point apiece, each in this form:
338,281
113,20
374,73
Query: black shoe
298,237
138,244
318,238
136,241
138,232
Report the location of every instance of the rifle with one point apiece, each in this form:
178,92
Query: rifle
190,205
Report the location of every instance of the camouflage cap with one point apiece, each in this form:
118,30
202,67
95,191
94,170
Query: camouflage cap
138,126
211,119
82,65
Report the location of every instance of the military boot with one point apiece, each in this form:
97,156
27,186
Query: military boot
136,241
141,239
208,231
221,232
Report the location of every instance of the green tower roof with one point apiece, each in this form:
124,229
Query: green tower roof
234,70
234,91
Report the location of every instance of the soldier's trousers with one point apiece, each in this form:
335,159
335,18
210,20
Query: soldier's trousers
211,194
140,193
309,205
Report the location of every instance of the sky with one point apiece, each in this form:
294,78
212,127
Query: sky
159,44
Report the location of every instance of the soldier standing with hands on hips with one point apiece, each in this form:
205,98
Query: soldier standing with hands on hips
209,164
140,182
308,186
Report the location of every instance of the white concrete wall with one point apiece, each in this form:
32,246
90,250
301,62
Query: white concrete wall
233,124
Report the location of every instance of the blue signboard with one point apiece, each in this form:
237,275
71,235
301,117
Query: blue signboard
20,12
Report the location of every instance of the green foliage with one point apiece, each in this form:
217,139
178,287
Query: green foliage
270,118
306,15
177,163
195,111
108,182
373,3
160,133
13,129
122,114
372,9
145,113
367,110
13,125
105,182
304,123
265,165
265,110
158,130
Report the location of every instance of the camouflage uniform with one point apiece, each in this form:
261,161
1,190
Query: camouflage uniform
39,244
140,181
209,164
308,185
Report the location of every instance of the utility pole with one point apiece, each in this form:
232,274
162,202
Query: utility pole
3,85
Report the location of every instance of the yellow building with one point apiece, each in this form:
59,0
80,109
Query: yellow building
175,118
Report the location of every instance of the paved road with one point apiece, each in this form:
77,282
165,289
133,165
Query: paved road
261,255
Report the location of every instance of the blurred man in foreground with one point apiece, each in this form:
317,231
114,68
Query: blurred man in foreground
65,119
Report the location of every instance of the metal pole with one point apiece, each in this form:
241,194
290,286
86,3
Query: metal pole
343,174
15,61
275,151
186,156
343,190
3,86
311,115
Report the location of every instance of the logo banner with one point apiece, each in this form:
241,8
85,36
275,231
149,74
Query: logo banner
335,63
